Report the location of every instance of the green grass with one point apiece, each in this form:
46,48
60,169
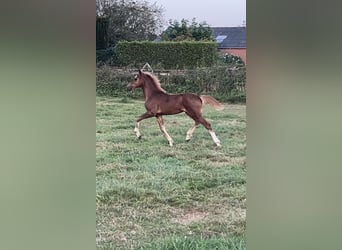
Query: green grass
194,243
152,196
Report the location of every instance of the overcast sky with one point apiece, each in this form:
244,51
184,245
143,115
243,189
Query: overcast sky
217,13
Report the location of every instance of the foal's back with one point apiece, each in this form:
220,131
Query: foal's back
165,104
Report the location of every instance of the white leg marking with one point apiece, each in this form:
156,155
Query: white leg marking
190,132
168,137
215,139
162,128
136,130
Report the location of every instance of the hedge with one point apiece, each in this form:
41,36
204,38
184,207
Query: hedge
167,55
225,84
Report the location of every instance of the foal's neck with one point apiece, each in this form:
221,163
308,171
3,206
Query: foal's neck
150,89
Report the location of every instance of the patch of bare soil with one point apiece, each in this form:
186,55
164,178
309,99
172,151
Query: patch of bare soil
190,217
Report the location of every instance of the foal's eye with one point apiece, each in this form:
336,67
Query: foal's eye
136,78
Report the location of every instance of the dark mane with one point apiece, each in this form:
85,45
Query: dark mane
154,80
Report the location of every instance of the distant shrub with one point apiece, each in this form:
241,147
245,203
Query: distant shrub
105,56
232,61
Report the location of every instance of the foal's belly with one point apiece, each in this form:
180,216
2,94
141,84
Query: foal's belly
168,105
166,110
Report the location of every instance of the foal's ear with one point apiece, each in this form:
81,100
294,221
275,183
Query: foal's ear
140,72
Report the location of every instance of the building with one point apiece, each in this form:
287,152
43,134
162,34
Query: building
231,40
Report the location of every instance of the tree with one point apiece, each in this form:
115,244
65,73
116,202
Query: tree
184,31
130,20
101,32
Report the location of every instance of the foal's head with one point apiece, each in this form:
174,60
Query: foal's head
138,81
146,81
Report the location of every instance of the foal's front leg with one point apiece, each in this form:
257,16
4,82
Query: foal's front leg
137,124
162,128
136,130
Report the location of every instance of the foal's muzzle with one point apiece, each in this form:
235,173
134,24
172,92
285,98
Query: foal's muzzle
130,87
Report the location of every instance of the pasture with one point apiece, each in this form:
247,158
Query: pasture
153,196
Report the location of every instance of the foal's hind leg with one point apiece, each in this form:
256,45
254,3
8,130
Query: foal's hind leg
162,128
191,131
207,125
200,120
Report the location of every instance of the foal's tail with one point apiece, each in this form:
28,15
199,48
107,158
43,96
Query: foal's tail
206,99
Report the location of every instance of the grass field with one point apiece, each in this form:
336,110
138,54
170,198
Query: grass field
152,196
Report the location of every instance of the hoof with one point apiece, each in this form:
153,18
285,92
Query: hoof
139,137
187,140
